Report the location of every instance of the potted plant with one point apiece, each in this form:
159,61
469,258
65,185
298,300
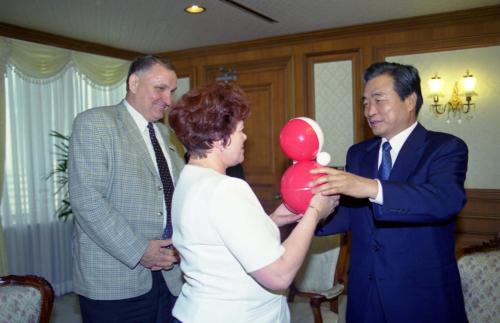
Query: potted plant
60,172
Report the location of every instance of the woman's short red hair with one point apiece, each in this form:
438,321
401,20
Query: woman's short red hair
207,114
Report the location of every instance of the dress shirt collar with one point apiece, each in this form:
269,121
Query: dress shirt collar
140,121
398,141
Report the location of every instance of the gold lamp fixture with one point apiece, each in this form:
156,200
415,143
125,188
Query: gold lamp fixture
455,107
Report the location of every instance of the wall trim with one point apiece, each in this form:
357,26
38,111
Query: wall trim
438,45
405,24
49,39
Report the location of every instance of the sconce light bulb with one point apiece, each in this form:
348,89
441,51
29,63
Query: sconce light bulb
469,84
435,85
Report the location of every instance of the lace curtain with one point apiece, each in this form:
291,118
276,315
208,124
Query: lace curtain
42,88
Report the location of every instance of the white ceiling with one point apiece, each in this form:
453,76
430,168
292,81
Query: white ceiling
153,26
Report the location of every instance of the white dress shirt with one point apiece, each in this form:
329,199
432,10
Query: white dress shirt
142,124
397,143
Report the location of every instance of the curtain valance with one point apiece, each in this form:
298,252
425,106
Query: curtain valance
43,62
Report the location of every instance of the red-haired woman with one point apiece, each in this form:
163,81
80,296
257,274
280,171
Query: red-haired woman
231,256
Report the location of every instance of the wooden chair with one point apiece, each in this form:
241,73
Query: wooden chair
25,299
321,277
479,268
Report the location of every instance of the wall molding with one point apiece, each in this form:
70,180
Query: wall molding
432,46
44,38
401,25
434,21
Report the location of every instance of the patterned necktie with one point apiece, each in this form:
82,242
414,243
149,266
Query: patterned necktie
385,166
166,180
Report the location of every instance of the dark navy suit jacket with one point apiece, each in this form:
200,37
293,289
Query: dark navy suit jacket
406,246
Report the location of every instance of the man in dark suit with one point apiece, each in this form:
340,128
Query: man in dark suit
402,263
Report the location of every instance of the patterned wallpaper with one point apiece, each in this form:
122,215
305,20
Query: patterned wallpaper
480,129
333,107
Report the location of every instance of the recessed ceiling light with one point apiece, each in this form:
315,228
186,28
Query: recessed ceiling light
194,9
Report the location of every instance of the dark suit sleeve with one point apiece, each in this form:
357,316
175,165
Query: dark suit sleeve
434,192
336,222
236,171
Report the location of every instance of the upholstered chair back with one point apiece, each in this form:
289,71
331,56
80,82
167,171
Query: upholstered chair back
25,299
480,275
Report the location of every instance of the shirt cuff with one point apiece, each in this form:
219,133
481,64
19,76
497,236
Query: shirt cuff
379,199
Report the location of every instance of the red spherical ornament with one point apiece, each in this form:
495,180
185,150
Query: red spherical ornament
299,140
295,190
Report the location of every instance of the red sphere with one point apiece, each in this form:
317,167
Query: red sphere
299,140
295,190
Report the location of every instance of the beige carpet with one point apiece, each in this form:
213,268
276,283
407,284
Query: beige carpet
66,311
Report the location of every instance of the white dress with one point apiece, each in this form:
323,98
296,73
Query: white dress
222,234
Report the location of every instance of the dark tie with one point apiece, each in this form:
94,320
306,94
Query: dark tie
166,180
385,166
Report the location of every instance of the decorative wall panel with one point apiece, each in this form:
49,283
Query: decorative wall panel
333,107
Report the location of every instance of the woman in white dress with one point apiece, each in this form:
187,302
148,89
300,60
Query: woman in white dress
234,265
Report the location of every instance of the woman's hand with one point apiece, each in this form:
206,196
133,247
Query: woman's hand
324,205
282,216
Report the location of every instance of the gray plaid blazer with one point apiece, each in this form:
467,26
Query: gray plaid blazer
117,200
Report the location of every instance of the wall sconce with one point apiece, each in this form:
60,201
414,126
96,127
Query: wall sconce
454,106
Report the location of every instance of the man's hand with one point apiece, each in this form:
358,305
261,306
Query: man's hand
158,256
282,216
340,182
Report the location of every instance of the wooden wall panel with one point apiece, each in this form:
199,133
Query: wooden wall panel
480,219
266,84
